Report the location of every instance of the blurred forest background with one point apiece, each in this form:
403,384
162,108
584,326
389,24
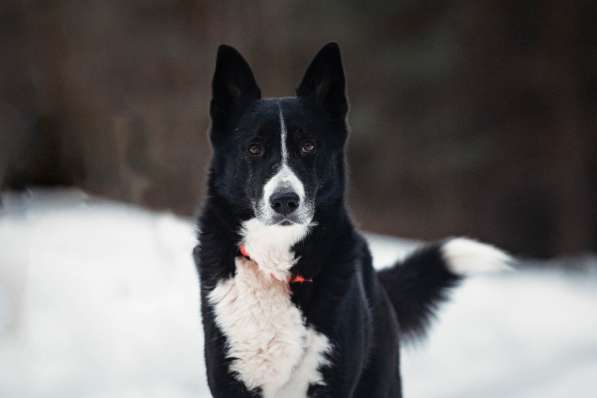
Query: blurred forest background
468,117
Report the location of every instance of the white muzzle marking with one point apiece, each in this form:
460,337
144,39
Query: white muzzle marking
284,179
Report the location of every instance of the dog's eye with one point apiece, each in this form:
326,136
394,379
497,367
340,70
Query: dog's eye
256,150
307,147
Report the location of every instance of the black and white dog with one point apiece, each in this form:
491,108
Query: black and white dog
291,304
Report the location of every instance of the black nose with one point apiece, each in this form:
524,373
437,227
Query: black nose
284,202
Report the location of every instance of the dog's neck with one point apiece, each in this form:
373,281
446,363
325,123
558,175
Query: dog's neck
271,246
293,243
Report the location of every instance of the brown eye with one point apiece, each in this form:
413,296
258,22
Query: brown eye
256,150
307,148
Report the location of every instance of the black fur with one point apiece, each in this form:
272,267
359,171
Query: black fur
362,312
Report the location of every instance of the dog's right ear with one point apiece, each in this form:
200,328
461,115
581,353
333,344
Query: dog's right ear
324,81
233,86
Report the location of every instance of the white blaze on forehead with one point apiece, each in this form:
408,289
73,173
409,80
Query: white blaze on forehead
283,134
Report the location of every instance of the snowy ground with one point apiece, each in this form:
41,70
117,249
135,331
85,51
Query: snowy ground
99,299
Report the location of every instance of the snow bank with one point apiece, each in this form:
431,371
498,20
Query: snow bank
100,299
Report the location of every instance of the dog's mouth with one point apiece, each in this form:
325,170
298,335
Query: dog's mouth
285,221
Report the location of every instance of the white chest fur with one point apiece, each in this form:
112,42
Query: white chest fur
269,245
267,338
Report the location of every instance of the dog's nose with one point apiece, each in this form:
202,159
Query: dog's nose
284,202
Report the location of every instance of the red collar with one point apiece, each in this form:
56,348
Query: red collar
296,278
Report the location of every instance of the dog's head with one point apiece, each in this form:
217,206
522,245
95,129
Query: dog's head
279,160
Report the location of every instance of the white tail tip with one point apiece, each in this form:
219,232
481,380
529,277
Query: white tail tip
468,257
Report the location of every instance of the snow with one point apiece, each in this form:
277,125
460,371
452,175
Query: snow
100,299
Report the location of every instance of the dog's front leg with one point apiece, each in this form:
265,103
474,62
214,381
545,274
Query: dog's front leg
225,386
222,382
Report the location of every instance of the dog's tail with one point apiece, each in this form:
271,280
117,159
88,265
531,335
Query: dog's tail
418,284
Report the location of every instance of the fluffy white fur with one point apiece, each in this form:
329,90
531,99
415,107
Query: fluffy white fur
269,245
271,346
307,372
468,257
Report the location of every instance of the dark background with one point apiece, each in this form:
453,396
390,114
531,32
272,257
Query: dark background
468,117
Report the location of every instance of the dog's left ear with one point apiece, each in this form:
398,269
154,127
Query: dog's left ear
324,81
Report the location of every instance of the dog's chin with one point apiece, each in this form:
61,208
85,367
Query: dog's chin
287,221
284,221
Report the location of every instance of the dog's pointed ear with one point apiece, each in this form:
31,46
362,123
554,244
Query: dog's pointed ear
233,84
324,81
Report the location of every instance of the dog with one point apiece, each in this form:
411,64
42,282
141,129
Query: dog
290,302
